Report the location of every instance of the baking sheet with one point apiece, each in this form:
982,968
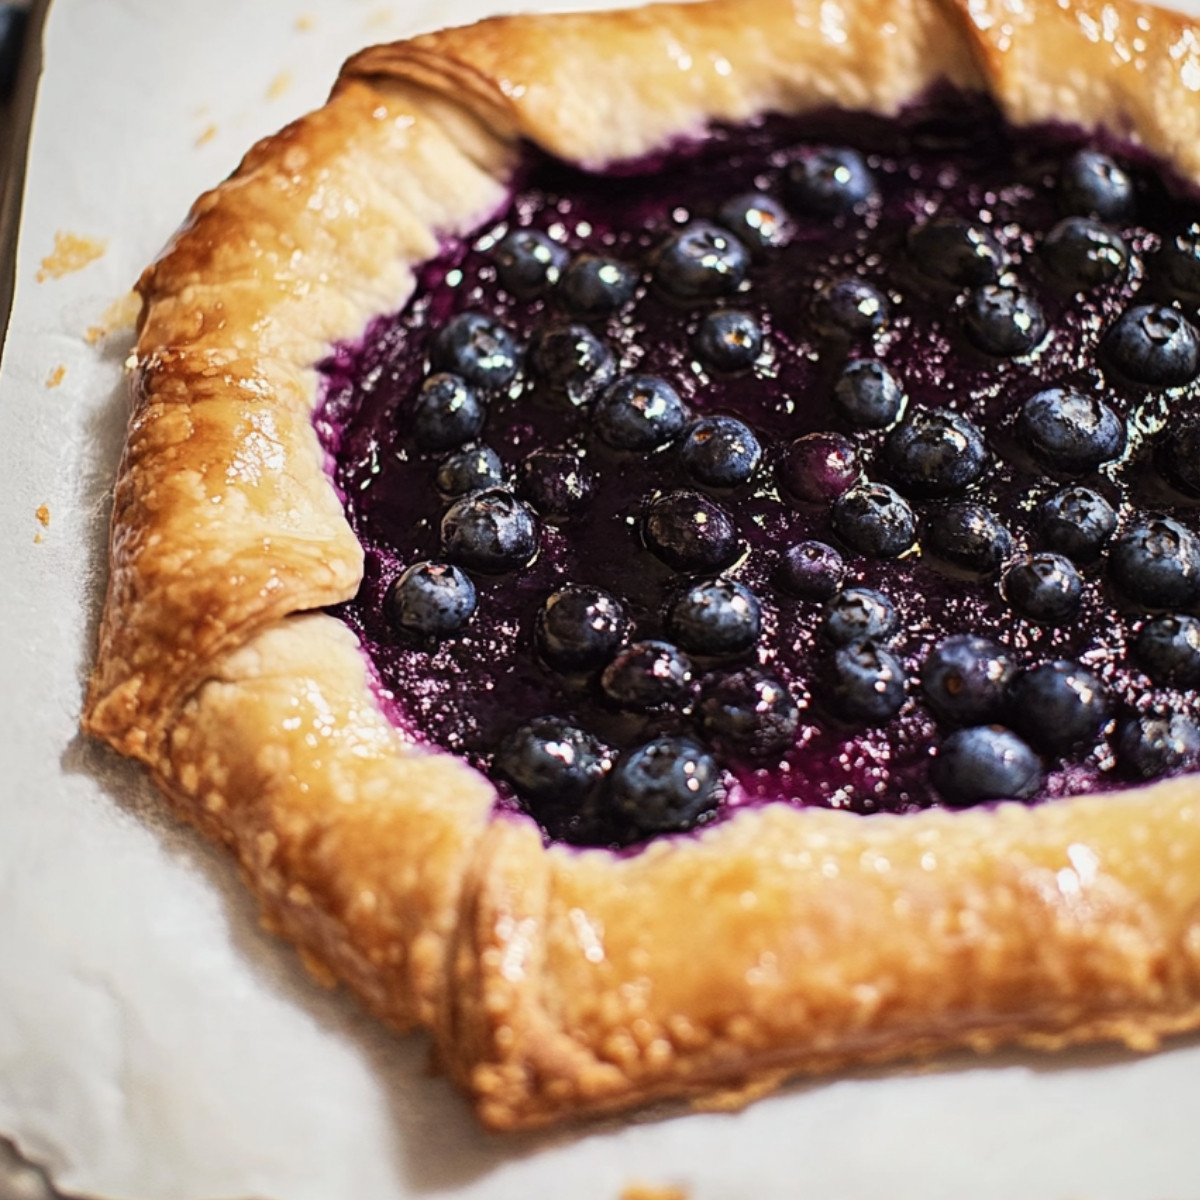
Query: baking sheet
154,1043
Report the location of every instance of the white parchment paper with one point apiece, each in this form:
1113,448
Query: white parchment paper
154,1044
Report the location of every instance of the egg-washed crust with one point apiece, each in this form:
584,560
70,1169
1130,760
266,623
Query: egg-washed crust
557,982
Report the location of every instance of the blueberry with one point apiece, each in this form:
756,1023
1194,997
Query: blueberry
811,570
935,452
446,413
1077,522
1167,648
596,286
819,467
647,674
1082,253
1003,320
490,531
874,520
728,340
867,683
850,306
867,394
969,536
552,766
829,181
1092,185
956,253
758,221
700,262
1179,264
581,627
478,348
1177,454
571,362
528,262
1157,563
1152,745
430,600
720,451
669,785
715,617
749,712
639,412
1059,707
690,532
1043,587
985,762
858,614
1070,430
1153,346
556,482
966,679
469,470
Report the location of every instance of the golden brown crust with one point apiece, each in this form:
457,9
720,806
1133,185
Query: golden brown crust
561,982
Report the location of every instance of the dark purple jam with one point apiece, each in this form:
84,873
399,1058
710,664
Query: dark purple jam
928,297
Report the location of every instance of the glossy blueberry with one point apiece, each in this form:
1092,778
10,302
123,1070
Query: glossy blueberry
1177,454
850,306
720,451
690,532
956,253
758,221
1003,320
647,674
749,713
490,531
819,467
857,614
446,412
1178,264
728,340
700,262
1092,185
867,394
985,762
875,520
866,684
1043,587
572,363
596,286
1077,522
829,181
966,679
714,618
1070,430
668,785
1081,253
1167,648
529,262
430,600
469,470
1154,346
811,570
1059,707
639,412
969,536
478,348
552,765
581,627
1156,562
1153,745
557,483
935,452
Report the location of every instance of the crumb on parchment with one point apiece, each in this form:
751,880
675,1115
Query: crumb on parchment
43,515
209,132
305,23
119,316
56,376
644,1191
71,253
279,85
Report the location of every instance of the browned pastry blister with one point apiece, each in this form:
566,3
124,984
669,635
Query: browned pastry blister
561,982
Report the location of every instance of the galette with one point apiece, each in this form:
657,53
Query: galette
667,542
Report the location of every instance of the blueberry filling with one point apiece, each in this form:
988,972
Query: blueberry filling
843,462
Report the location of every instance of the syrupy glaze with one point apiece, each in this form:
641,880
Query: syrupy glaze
467,693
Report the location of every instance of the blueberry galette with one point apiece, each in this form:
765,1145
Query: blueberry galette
667,542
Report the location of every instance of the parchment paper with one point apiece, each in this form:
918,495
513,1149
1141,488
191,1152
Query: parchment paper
154,1043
